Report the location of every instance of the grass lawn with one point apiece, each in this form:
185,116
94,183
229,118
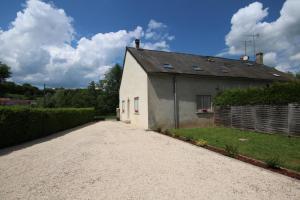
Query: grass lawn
256,145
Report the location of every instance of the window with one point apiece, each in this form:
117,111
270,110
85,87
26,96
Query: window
123,106
136,104
197,68
168,66
204,103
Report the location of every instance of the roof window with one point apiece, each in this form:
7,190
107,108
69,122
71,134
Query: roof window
168,66
209,59
277,75
225,71
197,68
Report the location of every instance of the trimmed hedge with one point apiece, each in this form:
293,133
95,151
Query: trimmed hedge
275,94
20,124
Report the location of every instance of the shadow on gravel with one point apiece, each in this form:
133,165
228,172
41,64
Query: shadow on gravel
9,150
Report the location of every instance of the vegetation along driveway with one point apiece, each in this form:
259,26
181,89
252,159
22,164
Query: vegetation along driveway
111,160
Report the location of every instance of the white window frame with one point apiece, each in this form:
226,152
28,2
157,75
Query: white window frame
202,108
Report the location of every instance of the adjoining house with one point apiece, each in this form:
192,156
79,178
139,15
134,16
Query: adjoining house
170,90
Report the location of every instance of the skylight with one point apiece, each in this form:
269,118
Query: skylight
168,66
225,71
197,68
209,59
277,75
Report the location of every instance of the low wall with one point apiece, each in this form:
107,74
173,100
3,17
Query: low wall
262,118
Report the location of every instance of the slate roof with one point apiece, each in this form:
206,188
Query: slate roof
153,62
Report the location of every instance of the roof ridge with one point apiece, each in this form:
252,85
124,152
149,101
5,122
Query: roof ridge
191,54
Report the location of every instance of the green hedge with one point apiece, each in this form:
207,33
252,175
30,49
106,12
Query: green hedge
275,94
20,124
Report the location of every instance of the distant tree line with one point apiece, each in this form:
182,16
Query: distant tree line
102,95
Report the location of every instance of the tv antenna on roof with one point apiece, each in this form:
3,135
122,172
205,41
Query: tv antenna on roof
245,42
254,36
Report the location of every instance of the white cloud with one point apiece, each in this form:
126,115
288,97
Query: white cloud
40,47
279,39
155,25
295,57
270,59
157,31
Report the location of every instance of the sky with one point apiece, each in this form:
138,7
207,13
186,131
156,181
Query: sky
67,43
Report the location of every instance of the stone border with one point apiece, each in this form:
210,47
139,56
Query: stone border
258,163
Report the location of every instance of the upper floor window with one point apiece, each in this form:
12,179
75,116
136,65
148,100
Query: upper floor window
204,103
136,104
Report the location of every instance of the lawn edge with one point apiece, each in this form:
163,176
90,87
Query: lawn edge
246,159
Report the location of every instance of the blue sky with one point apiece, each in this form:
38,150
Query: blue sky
198,27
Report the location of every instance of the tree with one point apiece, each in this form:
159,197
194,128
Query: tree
297,75
92,92
108,98
4,72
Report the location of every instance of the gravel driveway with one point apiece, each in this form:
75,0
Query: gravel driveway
111,160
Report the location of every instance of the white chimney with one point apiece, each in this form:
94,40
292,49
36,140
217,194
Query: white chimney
260,58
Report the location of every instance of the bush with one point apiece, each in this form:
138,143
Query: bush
231,150
275,94
201,143
189,138
20,124
274,162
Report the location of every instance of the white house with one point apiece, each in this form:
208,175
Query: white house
170,90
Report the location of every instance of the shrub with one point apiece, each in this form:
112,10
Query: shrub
20,124
231,150
189,138
277,93
201,143
159,130
274,162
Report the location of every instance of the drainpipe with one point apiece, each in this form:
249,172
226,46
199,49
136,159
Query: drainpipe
175,102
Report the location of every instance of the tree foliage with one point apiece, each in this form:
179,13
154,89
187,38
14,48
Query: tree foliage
103,96
4,72
297,75
108,99
25,91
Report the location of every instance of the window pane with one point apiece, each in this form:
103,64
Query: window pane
203,102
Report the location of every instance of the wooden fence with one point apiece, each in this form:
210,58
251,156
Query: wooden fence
261,118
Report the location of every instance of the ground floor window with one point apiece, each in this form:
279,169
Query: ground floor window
204,103
136,104
123,106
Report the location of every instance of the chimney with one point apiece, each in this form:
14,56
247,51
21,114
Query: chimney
137,43
260,58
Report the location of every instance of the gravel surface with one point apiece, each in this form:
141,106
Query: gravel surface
112,160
